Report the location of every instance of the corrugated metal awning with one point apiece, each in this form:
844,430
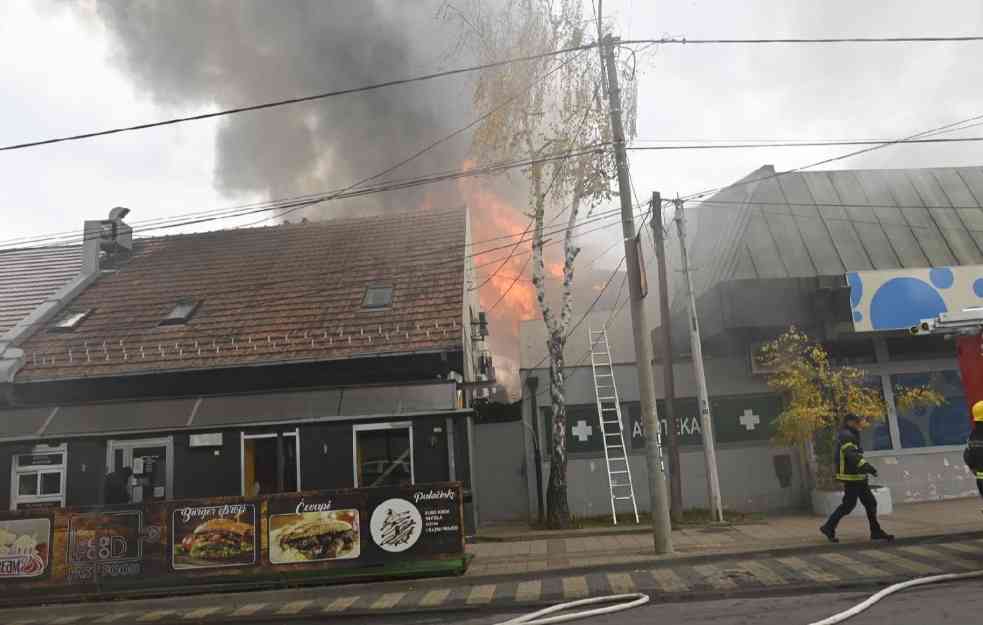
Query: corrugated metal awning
208,413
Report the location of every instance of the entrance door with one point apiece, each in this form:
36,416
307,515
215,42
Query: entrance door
260,453
383,454
151,461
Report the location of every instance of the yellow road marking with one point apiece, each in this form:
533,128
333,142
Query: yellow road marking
902,563
481,594
621,583
574,587
668,580
435,597
949,560
112,618
387,600
341,604
714,576
202,612
156,615
850,564
762,573
804,568
64,620
968,549
294,607
529,591
249,609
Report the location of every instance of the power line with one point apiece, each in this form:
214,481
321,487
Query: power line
298,100
405,183
685,41
739,146
940,129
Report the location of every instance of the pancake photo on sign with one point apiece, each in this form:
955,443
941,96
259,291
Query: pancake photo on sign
314,536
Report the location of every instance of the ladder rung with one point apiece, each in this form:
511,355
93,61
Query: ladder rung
612,433
613,472
624,498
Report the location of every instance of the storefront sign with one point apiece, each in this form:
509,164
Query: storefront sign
104,544
33,460
736,419
25,547
901,298
232,538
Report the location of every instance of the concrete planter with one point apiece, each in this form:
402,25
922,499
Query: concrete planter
825,501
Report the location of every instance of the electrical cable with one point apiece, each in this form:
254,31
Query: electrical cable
811,144
938,130
289,101
685,41
491,169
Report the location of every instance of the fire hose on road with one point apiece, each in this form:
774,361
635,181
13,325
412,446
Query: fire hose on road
634,600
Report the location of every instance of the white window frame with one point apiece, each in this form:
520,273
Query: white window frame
61,469
885,368
389,425
243,437
128,444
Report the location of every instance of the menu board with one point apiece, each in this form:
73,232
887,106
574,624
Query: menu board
205,537
158,544
25,547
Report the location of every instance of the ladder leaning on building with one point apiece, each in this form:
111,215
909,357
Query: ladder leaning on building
616,458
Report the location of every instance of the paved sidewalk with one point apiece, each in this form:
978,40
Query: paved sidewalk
524,551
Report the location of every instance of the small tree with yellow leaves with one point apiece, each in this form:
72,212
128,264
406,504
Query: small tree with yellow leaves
819,394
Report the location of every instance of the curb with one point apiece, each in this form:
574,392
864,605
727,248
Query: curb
707,558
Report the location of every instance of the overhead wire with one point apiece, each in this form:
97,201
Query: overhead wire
297,100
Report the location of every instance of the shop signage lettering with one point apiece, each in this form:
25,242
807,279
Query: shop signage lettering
313,507
25,547
433,495
736,419
105,544
187,514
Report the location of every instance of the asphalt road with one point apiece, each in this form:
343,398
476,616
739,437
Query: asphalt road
958,602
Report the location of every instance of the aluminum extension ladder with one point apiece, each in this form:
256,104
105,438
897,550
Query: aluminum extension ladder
616,457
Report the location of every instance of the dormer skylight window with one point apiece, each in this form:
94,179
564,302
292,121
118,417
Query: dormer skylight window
71,319
378,297
181,313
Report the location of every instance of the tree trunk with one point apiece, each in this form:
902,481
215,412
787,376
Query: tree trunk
557,507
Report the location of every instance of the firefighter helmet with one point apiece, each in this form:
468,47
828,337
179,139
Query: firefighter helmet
978,411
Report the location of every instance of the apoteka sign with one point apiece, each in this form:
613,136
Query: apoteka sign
396,525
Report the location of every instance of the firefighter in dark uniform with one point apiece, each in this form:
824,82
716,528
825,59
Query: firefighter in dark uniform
973,455
852,470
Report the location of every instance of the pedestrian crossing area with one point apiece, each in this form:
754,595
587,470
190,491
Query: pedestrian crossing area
667,581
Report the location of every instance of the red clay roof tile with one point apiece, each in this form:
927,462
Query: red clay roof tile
288,293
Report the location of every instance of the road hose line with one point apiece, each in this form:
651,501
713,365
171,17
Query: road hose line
541,617
890,590
634,600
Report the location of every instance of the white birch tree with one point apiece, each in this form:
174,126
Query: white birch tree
551,111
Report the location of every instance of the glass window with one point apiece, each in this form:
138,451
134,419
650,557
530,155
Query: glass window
27,484
877,435
384,457
260,464
50,483
947,424
70,320
920,347
851,352
378,296
181,312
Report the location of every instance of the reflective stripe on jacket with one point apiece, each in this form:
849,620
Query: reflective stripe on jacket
849,457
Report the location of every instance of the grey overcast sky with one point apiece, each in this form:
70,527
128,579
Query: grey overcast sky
77,67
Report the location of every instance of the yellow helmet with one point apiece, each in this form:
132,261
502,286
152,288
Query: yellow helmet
978,411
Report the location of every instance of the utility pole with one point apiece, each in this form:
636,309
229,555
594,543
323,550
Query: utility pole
668,375
661,527
709,451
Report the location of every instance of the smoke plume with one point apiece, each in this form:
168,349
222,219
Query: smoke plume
192,56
